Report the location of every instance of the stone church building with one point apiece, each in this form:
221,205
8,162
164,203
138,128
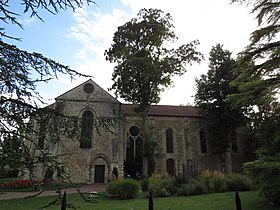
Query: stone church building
180,132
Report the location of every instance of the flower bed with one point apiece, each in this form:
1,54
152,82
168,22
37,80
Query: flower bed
18,184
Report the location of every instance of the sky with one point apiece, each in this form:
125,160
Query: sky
78,39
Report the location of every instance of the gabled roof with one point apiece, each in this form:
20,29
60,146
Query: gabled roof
165,110
77,93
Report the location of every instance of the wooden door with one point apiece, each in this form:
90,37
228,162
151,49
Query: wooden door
99,174
170,167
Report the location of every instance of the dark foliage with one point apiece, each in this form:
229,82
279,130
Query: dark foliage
258,83
212,91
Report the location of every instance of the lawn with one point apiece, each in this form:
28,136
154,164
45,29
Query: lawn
216,201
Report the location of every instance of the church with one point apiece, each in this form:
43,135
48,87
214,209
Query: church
118,150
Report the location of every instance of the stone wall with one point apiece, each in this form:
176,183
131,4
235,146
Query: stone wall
108,150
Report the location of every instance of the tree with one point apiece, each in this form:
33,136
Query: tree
261,79
211,94
258,94
10,157
144,63
21,71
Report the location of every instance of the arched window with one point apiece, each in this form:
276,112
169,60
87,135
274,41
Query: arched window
169,140
139,150
233,140
86,130
130,148
134,152
42,134
170,166
203,143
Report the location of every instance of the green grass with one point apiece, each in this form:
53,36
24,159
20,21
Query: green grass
218,201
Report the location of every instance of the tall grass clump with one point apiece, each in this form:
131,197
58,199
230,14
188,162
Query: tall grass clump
214,181
123,188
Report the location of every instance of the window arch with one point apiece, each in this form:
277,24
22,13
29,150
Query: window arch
86,130
203,143
169,140
134,152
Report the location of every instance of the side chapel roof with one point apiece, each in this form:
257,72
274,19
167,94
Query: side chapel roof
165,110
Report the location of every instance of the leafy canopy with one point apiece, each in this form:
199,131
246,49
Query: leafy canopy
22,71
258,82
9,14
211,94
145,62
262,79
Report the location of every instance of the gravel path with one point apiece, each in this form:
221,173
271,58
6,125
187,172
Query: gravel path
85,188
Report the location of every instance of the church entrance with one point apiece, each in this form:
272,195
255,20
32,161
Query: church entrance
99,173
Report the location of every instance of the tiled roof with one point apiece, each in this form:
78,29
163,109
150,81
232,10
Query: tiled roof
165,110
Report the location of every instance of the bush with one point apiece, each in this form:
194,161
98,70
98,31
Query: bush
197,187
123,189
214,181
184,190
18,184
265,170
238,182
145,185
271,192
163,187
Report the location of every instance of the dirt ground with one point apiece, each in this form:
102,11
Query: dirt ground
84,188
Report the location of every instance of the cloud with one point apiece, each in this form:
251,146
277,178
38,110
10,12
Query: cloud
27,21
81,54
95,30
211,22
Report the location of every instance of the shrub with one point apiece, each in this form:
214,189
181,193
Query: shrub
214,181
163,187
238,182
18,184
184,190
265,171
197,187
123,188
145,185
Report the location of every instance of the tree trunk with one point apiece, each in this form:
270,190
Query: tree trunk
145,167
149,147
226,161
146,140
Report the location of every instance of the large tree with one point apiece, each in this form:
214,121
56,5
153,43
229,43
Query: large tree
258,82
211,94
21,71
145,62
263,78
10,157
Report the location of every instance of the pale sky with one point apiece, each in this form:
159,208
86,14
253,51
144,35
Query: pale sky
79,39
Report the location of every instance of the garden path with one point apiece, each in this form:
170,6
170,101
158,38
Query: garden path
84,188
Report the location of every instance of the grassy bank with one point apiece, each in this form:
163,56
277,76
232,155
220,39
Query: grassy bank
215,201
